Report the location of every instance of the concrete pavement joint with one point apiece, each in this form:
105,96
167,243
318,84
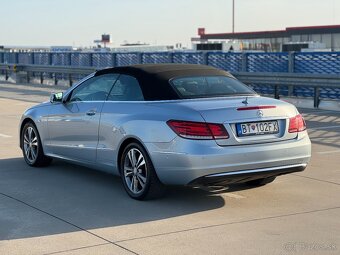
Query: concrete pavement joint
67,222
229,223
77,249
315,179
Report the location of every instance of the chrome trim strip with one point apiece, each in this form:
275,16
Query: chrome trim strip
256,170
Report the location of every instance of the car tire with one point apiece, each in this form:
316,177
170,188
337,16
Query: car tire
31,147
261,182
138,174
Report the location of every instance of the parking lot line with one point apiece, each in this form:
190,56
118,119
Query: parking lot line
328,152
231,195
321,111
326,127
5,136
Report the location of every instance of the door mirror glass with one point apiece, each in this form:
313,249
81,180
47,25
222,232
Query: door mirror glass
56,97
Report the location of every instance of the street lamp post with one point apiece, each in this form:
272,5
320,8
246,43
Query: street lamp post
233,16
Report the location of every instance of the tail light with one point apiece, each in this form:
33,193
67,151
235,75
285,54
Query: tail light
296,124
198,130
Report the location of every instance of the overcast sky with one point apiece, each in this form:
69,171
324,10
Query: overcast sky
79,22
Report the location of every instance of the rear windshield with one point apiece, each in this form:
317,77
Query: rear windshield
209,86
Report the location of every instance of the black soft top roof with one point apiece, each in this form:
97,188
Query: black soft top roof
154,78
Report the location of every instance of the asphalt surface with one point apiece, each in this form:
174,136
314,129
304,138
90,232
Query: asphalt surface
67,209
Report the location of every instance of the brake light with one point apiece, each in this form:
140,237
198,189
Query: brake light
296,124
198,130
248,108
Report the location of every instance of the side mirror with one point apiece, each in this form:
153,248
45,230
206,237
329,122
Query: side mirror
56,97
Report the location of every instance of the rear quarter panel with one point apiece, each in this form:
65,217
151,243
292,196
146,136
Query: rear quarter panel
143,121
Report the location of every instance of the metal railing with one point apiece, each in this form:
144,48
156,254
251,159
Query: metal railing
292,62
30,71
277,81
291,80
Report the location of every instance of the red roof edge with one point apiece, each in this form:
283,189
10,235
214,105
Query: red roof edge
313,27
274,31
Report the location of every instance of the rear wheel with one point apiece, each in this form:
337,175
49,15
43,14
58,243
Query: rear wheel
262,181
31,147
138,174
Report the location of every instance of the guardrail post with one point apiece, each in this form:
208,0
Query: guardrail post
291,57
31,61
70,80
291,62
90,59
49,58
205,58
316,97
171,57
1,60
114,59
55,79
244,62
28,77
69,58
7,73
290,90
50,62
16,58
276,92
140,58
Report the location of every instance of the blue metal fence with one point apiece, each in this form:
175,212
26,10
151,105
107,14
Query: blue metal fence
316,62
304,62
102,60
226,61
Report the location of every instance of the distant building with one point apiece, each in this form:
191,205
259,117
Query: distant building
326,38
61,48
141,47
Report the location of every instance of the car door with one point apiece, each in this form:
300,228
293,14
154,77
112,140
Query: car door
73,125
121,104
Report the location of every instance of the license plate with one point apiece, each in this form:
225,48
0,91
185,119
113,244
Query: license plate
257,128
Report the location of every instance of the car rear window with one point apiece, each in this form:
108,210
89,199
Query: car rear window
209,86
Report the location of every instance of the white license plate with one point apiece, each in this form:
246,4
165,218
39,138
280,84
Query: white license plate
257,128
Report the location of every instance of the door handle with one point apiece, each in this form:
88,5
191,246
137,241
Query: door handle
91,112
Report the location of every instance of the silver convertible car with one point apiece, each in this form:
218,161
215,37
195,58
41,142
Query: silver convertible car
167,124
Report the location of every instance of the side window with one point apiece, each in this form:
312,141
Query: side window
94,89
126,88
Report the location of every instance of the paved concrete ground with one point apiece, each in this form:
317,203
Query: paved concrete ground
67,209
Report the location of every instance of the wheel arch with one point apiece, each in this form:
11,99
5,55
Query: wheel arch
23,123
123,145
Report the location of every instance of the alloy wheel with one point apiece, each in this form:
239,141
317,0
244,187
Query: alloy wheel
30,144
135,171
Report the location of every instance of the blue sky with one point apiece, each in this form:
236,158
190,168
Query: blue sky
79,22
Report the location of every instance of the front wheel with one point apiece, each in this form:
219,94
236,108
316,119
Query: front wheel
31,146
138,174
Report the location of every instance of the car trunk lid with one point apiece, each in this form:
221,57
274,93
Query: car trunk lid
251,111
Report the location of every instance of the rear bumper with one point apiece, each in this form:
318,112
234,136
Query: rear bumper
246,175
183,161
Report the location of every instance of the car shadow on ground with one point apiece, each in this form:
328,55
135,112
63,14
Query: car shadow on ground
84,197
